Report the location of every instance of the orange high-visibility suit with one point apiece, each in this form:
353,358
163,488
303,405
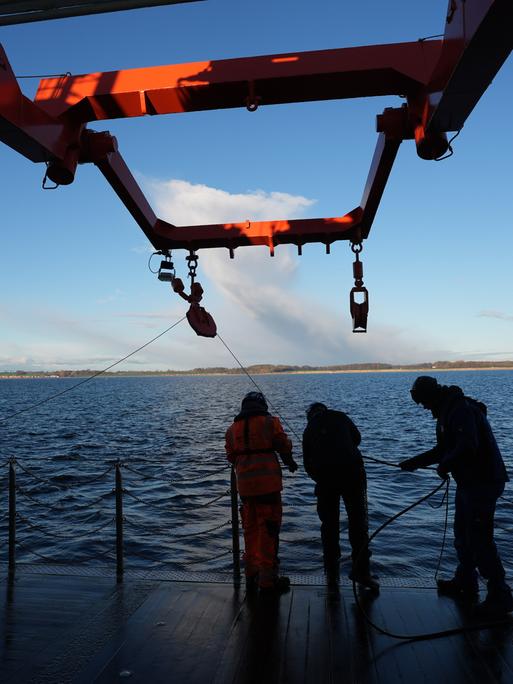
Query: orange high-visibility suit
251,445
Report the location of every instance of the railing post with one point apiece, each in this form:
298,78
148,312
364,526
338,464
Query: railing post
235,528
12,517
119,522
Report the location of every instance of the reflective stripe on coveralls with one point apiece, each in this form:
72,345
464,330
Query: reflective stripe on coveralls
256,465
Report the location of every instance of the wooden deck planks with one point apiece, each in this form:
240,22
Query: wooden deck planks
86,629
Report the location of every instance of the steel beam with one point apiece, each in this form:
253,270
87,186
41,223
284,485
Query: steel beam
119,176
27,128
478,39
267,233
164,235
397,69
381,166
42,10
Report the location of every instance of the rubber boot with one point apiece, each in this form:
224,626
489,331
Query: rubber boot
280,586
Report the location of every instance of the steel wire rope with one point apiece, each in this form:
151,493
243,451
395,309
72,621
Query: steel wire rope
369,458
260,389
47,559
173,507
427,635
95,375
55,535
152,530
67,73
446,520
159,478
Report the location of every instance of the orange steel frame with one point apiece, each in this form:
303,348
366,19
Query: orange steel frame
441,81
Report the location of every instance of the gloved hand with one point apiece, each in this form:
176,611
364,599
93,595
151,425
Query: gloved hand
409,464
442,472
292,466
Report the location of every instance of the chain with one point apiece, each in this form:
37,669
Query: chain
146,476
70,485
168,507
151,531
192,261
60,506
58,561
40,529
175,563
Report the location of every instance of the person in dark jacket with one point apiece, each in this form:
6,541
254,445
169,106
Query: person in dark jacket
466,448
332,459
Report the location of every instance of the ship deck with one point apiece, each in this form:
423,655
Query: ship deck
59,626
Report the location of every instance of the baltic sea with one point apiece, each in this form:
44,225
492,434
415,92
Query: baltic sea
169,434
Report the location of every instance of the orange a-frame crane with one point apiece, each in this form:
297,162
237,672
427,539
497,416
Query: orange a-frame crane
441,81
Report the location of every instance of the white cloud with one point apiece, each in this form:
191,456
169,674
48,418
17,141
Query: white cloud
262,310
112,297
489,313
184,203
267,310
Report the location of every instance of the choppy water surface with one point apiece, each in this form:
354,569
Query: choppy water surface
171,431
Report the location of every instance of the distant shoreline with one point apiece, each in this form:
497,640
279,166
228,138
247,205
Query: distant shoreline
423,369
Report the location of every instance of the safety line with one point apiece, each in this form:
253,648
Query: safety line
159,478
284,420
158,530
95,375
60,506
73,536
442,549
172,562
69,485
56,561
427,635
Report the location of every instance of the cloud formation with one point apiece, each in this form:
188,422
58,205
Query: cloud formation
184,203
268,310
490,313
263,309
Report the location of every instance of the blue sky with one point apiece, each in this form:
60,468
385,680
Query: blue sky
77,292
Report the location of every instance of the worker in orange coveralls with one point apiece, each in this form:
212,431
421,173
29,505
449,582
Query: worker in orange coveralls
252,443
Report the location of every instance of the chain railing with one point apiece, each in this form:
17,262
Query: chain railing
129,525
36,502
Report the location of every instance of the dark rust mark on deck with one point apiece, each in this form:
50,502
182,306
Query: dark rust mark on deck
91,629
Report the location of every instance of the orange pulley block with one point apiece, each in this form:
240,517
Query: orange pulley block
358,297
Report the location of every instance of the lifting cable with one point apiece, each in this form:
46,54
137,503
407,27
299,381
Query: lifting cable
445,483
406,637
91,377
284,420
427,635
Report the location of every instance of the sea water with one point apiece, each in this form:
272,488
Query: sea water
169,434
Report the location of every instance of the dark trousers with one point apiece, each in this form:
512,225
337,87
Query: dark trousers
473,536
353,492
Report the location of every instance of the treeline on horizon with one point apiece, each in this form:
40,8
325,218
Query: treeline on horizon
270,368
